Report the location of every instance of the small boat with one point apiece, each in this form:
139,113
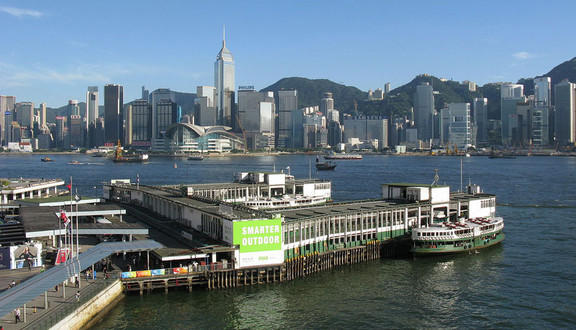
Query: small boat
325,166
196,157
74,162
47,159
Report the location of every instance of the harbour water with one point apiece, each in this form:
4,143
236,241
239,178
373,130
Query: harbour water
527,282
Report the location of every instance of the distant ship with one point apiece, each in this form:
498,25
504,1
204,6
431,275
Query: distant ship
343,156
47,159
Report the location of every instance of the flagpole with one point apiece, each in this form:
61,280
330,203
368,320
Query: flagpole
77,199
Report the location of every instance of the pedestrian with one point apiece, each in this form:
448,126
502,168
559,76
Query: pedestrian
13,284
77,295
34,311
17,314
76,282
57,288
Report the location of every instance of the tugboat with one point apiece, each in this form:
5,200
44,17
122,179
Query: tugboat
47,159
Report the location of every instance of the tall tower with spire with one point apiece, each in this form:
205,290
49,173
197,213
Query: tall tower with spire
224,82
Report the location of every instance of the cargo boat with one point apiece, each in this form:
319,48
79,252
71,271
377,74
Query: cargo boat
120,157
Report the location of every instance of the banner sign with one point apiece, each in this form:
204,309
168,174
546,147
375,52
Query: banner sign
258,235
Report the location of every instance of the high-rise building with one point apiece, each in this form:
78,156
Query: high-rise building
287,102
60,133
167,113
542,90
141,123
25,114
91,105
456,117
224,81
326,103
75,131
42,113
565,105
7,103
386,88
423,111
205,112
113,114
480,107
510,96
509,90
145,94
541,126
256,111
8,119
161,95
367,128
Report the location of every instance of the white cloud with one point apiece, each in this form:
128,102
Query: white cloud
19,12
523,56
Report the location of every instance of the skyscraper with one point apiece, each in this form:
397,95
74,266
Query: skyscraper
113,114
91,106
158,96
42,111
205,112
480,107
224,82
542,89
510,96
564,101
287,102
7,103
423,111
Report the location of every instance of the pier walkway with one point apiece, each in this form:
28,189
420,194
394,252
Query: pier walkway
35,291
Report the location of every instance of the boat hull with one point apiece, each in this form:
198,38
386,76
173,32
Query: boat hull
431,248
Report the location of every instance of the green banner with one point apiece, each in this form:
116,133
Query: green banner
258,235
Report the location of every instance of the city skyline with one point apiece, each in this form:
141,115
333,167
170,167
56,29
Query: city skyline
54,52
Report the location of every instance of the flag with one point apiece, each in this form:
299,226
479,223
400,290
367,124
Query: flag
69,187
64,218
77,198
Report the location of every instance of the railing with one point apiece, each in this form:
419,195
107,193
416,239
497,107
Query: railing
71,304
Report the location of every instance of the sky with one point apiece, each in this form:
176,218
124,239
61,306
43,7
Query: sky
53,50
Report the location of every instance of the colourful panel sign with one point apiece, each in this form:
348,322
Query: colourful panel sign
143,273
156,272
258,235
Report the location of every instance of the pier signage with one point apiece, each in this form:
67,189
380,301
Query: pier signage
258,235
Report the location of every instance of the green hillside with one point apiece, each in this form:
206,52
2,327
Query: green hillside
311,91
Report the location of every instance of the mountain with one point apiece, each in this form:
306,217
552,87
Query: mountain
311,91
399,101
566,70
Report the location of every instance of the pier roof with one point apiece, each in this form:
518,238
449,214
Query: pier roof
308,212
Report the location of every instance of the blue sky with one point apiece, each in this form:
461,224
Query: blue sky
53,50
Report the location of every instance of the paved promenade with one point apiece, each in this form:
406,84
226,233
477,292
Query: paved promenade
58,304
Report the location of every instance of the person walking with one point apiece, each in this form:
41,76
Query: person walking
17,314
77,296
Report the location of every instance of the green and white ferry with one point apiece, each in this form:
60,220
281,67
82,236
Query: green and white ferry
466,223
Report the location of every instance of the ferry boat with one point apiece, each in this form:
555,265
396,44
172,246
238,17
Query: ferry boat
472,228
343,156
196,157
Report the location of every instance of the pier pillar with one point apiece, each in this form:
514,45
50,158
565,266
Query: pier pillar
24,313
165,286
45,299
